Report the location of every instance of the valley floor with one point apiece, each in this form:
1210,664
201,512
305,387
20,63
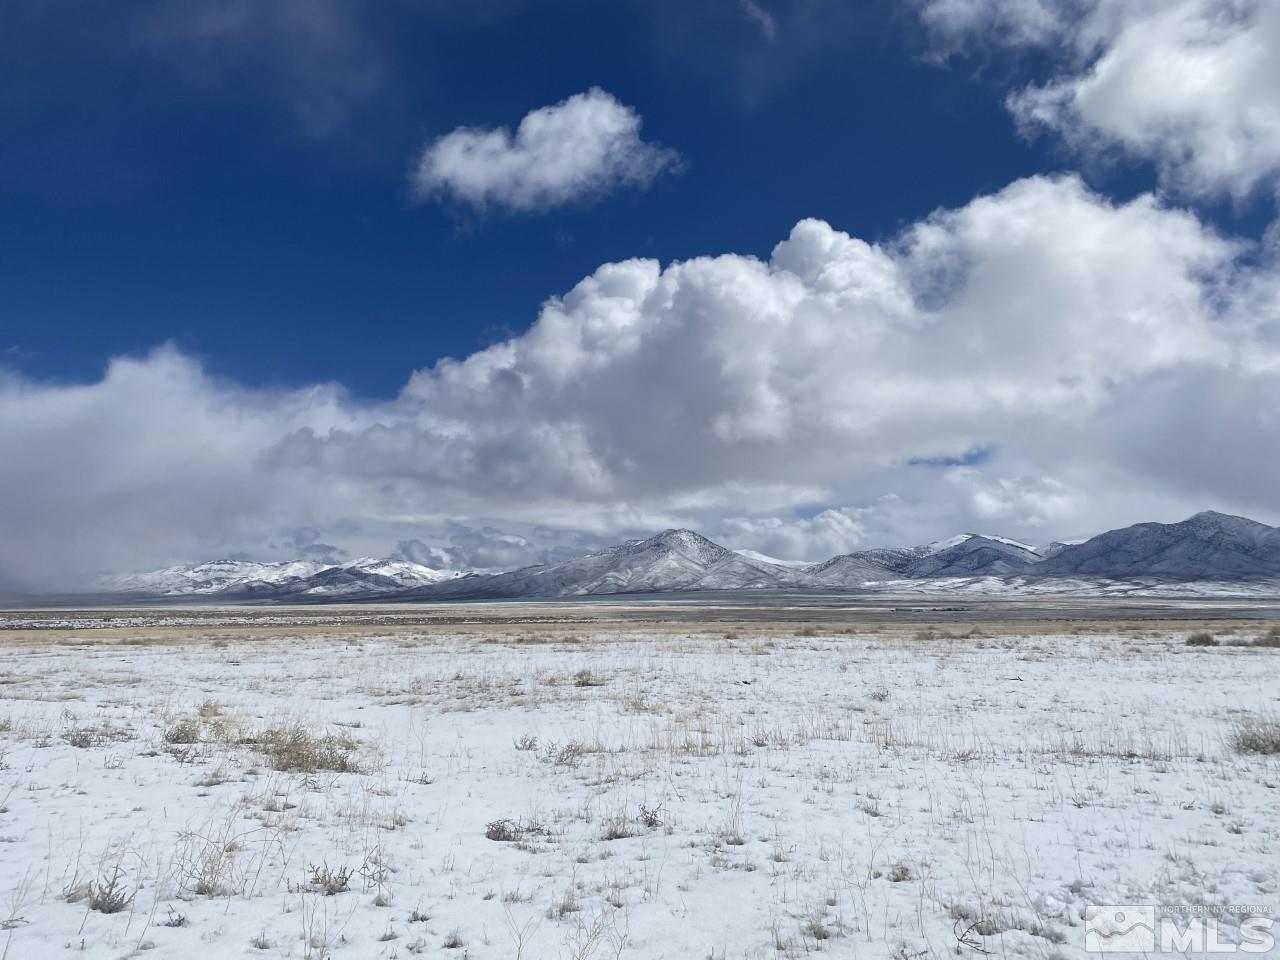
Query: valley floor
626,791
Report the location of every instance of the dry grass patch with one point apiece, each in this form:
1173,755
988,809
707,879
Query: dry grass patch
1257,733
94,735
185,731
294,749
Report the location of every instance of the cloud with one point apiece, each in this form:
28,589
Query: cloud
834,355
826,534
1112,361
762,18
1192,85
427,554
956,24
154,463
316,65
472,548
1026,501
580,148
313,60
460,546
305,543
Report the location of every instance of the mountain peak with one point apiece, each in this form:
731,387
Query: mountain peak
679,535
687,542
1222,519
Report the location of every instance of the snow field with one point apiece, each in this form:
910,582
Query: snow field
738,792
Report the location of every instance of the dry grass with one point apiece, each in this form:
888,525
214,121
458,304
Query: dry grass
295,749
517,623
1257,733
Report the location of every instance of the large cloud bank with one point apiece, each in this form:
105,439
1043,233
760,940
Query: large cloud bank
1041,361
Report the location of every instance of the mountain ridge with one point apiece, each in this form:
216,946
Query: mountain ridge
228,577
1208,543
1208,547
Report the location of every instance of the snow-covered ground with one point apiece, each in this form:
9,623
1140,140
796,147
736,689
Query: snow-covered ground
623,792
995,588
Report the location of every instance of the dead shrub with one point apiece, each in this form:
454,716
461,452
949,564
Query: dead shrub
186,730
503,831
294,749
900,872
110,895
328,881
569,754
1257,733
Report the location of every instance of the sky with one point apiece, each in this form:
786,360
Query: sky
493,283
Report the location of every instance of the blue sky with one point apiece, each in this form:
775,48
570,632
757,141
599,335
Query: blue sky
234,187
150,200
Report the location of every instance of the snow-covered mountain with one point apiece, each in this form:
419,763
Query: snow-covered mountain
1209,548
974,555
857,569
966,555
300,578
672,560
1053,549
211,577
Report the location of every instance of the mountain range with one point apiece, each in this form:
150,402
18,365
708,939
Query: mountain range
1209,547
290,578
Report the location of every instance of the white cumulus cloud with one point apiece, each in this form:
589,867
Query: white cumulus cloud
1193,85
579,148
